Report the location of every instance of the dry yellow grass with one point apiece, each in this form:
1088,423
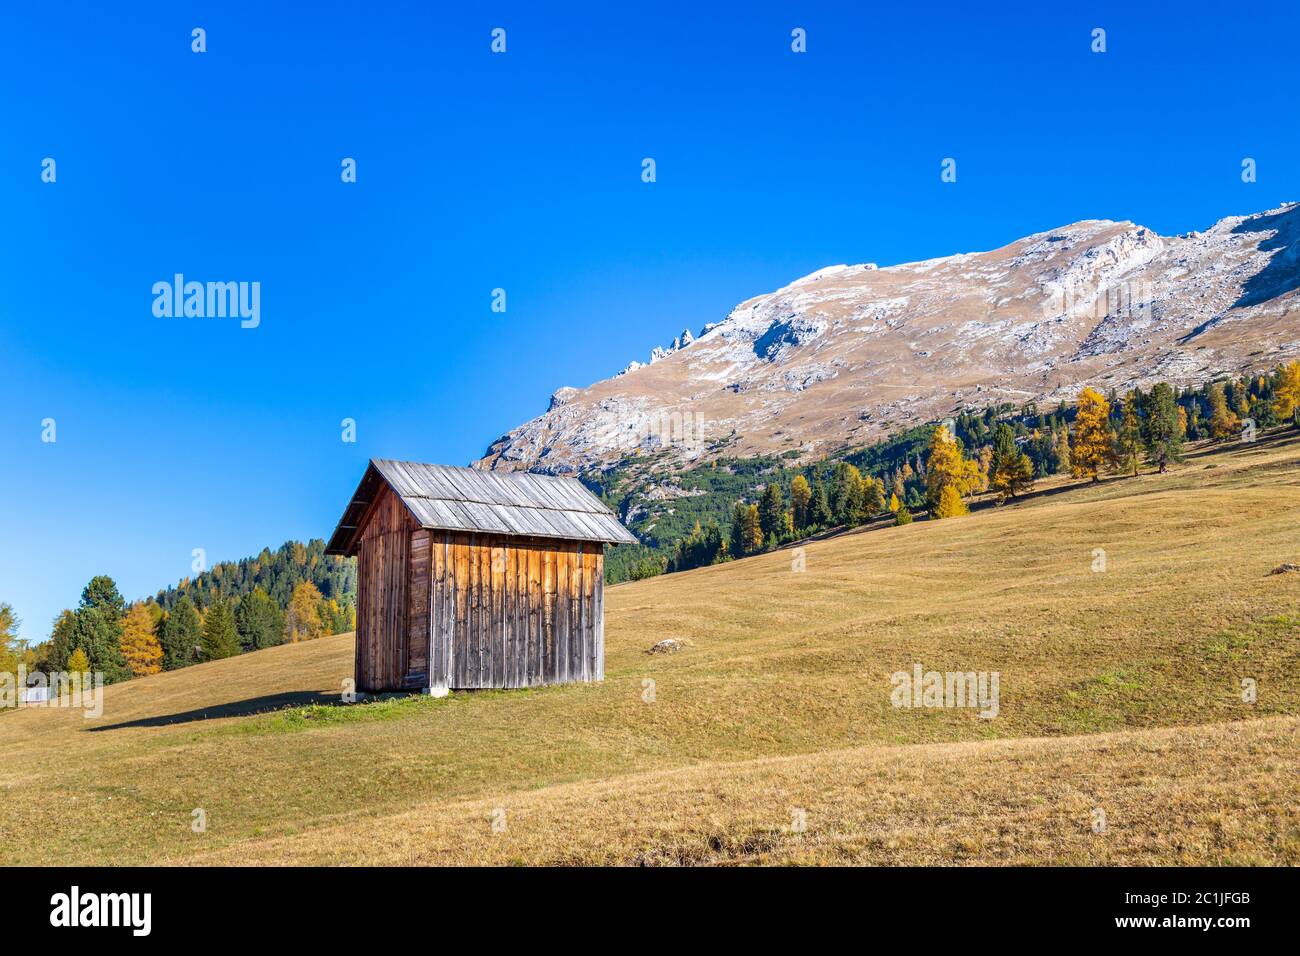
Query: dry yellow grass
1224,793
780,700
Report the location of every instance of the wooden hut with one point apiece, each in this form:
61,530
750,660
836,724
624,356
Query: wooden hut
469,578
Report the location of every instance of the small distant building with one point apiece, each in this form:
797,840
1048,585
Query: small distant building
475,579
34,694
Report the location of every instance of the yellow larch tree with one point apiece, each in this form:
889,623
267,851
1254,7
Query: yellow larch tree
948,468
1090,451
1224,424
1286,396
139,641
302,622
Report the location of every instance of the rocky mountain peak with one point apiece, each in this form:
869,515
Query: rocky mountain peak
849,353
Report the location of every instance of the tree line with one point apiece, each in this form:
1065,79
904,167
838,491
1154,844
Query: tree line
998,450
296,593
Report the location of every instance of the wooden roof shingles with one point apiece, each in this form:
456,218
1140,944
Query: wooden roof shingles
446,498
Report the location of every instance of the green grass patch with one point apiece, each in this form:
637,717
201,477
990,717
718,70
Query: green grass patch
295,719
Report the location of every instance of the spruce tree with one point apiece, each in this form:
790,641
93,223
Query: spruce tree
180,635
819,508
848,495
1011,470
1128,439
771,512
1160,427
220,639
98,628
63,641
738,529
259,622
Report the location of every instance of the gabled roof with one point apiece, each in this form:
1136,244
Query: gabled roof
445,498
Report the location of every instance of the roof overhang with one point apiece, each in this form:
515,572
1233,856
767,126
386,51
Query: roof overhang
479,502
346,532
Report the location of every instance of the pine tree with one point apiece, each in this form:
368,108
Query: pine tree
302,621
1128,439
771,510
737,533
1194,421
98,628
1160,427
947,468
849,495
1223,423
800,502
140,644
894,503
1011,470
180,635
259,622
1091,449
63,640
902,516
819,509
220,639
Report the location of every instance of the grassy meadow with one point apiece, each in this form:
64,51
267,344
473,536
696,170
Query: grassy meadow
770,737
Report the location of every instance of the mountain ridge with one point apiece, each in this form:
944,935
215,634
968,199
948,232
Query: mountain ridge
849,353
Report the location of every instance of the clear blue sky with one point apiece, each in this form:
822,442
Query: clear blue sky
519,171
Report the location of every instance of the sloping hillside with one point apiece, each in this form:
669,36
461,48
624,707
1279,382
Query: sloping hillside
779,701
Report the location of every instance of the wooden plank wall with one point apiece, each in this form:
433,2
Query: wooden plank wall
382,587
419,564
512,612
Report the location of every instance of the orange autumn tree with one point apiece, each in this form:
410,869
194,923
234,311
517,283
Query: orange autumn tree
1090,451
139,642
949,476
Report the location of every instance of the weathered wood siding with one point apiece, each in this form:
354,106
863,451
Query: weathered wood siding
382,588
419,577
514,612
454,610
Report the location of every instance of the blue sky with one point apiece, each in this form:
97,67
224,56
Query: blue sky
519,171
